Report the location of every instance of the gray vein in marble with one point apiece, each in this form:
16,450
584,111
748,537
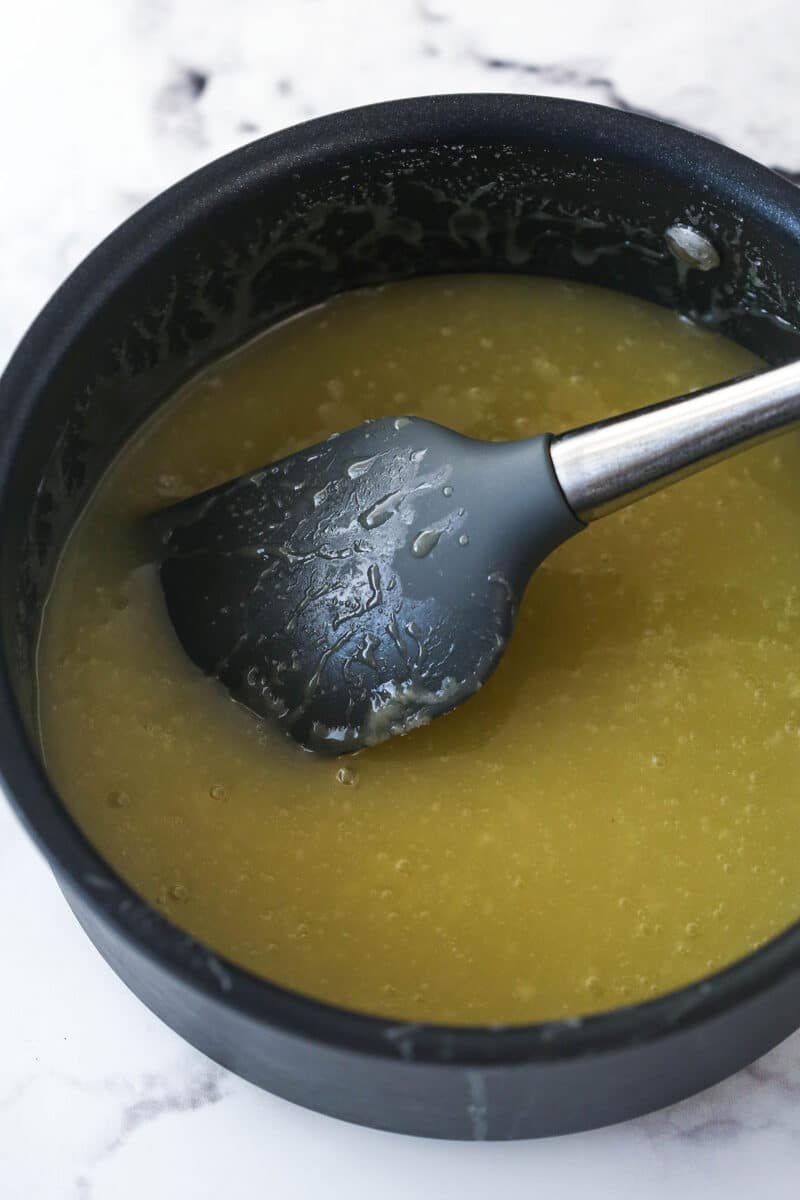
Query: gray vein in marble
427,12
161,1097
15,1093
565,75
765,1075
175,108
204,1086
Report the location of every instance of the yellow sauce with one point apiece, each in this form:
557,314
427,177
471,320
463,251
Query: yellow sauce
612,816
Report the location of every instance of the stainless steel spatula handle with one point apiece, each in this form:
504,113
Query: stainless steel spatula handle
605,466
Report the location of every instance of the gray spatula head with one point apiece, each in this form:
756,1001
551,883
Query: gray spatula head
367,584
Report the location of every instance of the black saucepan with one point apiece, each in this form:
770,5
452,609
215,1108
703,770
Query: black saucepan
451,183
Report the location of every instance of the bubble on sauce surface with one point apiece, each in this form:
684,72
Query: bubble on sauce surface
169,485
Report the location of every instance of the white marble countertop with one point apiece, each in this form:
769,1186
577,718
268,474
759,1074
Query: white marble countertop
103,103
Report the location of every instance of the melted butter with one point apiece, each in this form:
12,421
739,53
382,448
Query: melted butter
612,816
